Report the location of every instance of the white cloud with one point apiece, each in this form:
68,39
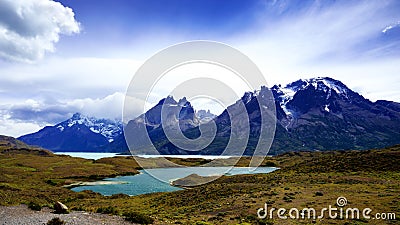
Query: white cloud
342,40
50,91
175,83
108,107
30,28
17,128
391,27
56,79
31,115
53,112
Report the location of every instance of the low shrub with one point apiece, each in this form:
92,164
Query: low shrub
136,217
202,223
108,210
56,221
319,193
34,206
51,182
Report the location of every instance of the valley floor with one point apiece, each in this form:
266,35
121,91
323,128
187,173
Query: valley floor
367,179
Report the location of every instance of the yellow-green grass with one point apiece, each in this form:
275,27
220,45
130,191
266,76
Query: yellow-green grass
27,177
366,178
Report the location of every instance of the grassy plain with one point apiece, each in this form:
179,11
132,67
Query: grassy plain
366,178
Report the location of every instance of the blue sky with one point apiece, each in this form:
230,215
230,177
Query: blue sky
59,57
114,25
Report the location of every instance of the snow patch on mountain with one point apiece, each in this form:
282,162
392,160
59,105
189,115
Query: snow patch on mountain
61,128
106,127
248,96
328,85
326,108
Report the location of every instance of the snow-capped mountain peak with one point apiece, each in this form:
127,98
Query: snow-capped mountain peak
323,85
320,93
328,84
106,127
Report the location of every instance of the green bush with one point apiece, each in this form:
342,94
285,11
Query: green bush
136,217
56,221
287,198
78,208
319,193
270,164
108,210
51,182
221,214
202,223
34,206
265,222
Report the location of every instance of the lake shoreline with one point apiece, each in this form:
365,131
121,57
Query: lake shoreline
158,180
99,155
91,183
317,178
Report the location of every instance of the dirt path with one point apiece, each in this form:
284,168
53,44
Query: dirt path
21,215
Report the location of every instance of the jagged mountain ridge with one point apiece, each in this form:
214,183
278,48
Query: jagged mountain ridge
180,115
204,115
106,127
312,114
302,96
324,114
78,133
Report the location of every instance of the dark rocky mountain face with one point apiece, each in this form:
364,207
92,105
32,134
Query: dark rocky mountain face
173,112
323,114
79,133
205,115
314,114
388,104
167,114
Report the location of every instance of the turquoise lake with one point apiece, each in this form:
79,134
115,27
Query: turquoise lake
145,183
99,155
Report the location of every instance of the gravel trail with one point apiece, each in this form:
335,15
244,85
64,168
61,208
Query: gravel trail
22,215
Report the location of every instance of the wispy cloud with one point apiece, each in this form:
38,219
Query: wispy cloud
356,42
53,112
16,128
341,39
390,27
47,93
66,78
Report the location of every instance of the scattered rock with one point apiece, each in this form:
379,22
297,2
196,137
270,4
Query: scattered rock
60,208
23,215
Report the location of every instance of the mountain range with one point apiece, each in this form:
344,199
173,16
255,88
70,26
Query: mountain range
79,133
311,114
324,114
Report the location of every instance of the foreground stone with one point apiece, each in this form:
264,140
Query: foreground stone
60,208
